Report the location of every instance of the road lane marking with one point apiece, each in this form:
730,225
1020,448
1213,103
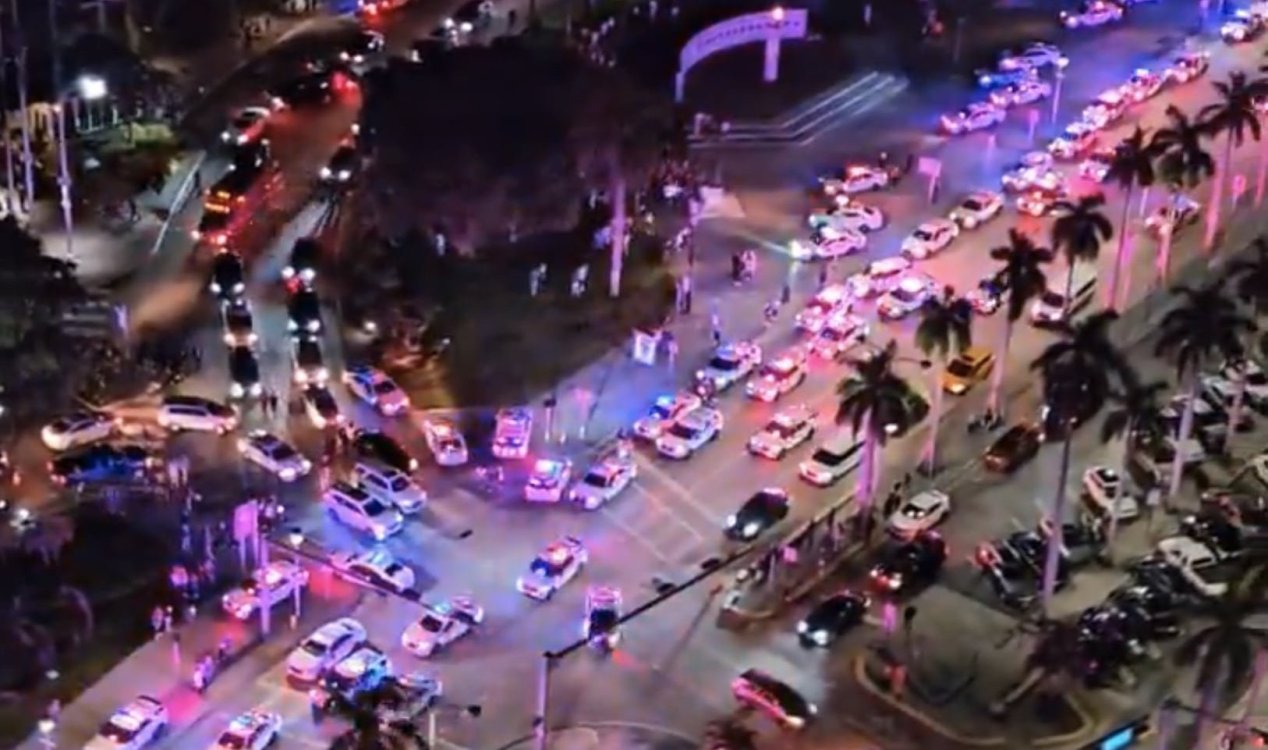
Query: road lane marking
649,466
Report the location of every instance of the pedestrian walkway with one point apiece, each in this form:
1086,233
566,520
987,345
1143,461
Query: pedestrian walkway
611,736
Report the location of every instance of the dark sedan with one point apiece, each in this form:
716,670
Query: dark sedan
832,617
1014,448
916,562
228,277
759,513
304,309
306,90
381,447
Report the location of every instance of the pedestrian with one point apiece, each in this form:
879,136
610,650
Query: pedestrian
198,181
671,351
511,18
685,283
737,268
785,293
156,620
167,618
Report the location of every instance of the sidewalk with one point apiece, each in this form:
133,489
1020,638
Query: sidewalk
163,667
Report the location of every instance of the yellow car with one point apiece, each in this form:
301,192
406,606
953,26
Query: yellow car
971,367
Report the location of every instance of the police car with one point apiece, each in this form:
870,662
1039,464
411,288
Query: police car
558,564
239,323
826,243
1144,84
690,433
878,277
363,670
326,646
842,332
987,296
1096,166
354,507
376,389
132,727
276,582
1032,177
604,480
663,413
1242,27
929,238
788,429
852,215
1023,92
1188,66
274,455
1095,13
731,363
1079,139
512,432
777,377
446,443
919,513
548,480
441,624
857,178
600,626
912,291
101,463
376,566
988,78
1038,202
977,208
976,116
1176,214
253,730
829,302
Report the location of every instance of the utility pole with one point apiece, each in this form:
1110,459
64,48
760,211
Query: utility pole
63,160
4,117
262,560
541,730
28,161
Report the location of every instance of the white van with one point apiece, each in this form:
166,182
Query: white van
1052,307
390,486
838,456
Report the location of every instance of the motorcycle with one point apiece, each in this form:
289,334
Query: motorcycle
984,422
209,665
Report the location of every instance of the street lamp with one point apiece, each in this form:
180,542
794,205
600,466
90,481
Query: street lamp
1059,73
295,538
89,88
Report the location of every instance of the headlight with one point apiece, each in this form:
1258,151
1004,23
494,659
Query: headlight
345,174
256,389
325,173
323,374
821,638
802,627
751,529
228,339
239,288
235,390
215,287
225,136
313,325
467,28
287,475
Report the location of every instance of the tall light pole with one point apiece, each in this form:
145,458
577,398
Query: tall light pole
63,162
4,117
1059,74
28,162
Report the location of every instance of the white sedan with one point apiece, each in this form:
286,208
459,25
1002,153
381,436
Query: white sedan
851,216
841,333
80,428
440,625
929,238
1028,178
777,377
920,513
879,277
730,364
1021,93
858,178
977,208
274,455
788,429
907,296
664,411
376,389
558,564
829,302
132,727
1172,217
445,441
604,480
690,433
1095,13
976,116
1037,55
376,566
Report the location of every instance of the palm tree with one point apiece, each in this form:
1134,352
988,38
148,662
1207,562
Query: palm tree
1234,115
946,326
1022,277
1204,326
728,734
1078,232
1137,413
876,403
1249,277
1132,167
1183,163
1224,650
1076,371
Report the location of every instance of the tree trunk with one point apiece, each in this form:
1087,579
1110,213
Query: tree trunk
867,470
931,448
1235,409
1217,195
1182,434
1111,294
1052,560
997,375
1144,202
1112,532
618,232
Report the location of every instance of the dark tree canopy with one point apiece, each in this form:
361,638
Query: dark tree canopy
490,141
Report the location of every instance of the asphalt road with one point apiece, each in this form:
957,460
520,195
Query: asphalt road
674,665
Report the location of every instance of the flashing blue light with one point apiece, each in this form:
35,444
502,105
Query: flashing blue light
1120,739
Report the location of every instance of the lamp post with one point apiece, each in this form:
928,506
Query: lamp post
28,161
774,33
90,89
296,539
1059,75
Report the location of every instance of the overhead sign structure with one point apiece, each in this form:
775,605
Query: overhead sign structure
770,27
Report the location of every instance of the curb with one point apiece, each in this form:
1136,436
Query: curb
860,675
1070,737
798,591
626,725
178,202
